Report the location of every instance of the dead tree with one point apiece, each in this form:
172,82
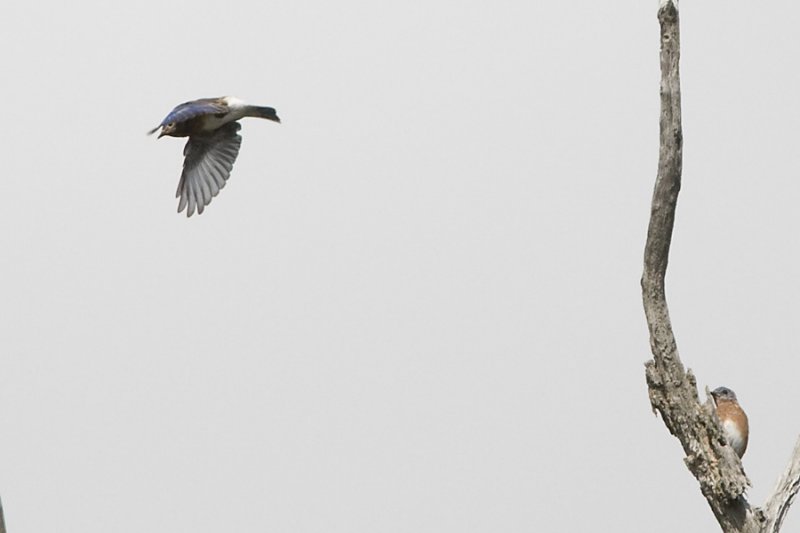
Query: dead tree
673,389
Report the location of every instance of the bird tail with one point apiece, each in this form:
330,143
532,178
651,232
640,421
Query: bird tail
264,112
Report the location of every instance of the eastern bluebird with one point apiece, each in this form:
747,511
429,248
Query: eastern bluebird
211,125
733,419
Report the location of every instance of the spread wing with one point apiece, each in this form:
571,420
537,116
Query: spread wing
208,162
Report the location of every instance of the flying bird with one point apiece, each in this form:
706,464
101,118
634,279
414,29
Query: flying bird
212,127
733,419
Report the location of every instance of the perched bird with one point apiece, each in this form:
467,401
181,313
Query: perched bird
212,127
733,419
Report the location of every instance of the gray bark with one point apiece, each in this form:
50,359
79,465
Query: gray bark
672,389
786,489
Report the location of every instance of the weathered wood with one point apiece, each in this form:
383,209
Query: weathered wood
786,489
672,389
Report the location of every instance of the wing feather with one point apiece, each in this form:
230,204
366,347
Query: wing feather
207,165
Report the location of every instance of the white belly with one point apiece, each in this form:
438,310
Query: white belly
734,437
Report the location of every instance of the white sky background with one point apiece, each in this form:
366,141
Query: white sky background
415,306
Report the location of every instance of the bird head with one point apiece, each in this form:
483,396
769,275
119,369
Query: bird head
166,129
724,394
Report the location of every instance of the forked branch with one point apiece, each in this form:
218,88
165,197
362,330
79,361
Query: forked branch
672,389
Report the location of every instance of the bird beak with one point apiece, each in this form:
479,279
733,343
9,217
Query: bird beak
160,134
154,130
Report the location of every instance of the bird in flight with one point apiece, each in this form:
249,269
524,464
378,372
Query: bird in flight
212,127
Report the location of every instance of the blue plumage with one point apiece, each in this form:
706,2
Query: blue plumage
213,145
193,109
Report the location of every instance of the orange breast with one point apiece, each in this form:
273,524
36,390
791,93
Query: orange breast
734,422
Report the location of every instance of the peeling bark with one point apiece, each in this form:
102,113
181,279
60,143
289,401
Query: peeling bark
672,389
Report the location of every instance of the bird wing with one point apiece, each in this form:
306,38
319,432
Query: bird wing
195,108
208,162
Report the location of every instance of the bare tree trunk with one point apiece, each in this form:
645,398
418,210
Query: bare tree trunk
672,389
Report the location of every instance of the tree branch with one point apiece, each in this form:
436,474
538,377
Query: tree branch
673,390
786,489
2,519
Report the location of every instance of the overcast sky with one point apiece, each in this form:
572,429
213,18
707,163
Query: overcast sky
415,307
